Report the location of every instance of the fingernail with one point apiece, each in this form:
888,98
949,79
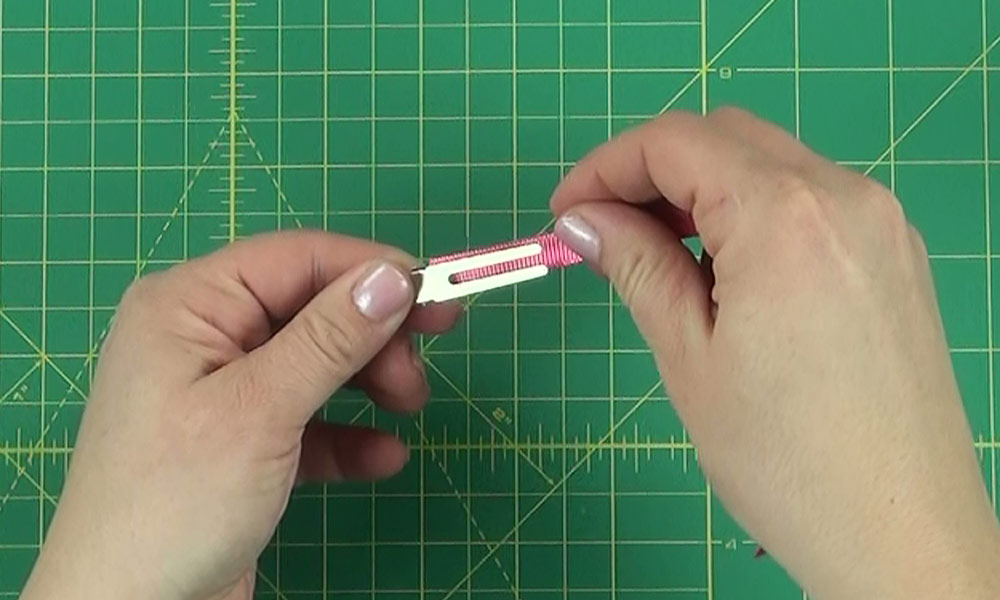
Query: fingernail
383,292
580,236
417,358
418,363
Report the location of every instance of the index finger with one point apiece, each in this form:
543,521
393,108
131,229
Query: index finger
679,159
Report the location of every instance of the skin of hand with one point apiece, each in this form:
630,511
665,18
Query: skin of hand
805,354
202,415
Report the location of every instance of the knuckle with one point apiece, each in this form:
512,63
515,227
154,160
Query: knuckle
798,202
794,189
802,217
871,189
141,298
884,210
140,290
887,206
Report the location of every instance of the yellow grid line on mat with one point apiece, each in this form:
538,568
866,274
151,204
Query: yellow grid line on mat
988,243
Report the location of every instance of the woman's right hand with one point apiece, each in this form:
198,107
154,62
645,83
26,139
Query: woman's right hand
807,358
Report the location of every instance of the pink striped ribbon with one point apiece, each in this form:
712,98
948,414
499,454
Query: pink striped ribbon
554,255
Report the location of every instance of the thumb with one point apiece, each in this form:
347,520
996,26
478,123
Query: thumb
657,278
331,339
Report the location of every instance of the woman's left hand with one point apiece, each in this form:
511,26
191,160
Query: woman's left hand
202,413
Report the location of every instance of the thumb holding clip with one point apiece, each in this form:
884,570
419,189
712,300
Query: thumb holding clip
333,337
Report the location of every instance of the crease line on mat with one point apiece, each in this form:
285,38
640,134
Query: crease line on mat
468,512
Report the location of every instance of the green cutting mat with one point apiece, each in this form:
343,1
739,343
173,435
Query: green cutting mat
136,134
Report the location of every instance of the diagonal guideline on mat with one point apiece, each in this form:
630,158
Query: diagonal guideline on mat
213,145
278,594
711,62
91,355
468,511
22,473
42,355
555,488
973,66
270,174
73,383
13,388
513,443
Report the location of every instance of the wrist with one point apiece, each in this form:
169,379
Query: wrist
55,579
81,570
970,570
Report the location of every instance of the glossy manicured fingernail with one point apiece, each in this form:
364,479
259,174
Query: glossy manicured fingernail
580,236
383,292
